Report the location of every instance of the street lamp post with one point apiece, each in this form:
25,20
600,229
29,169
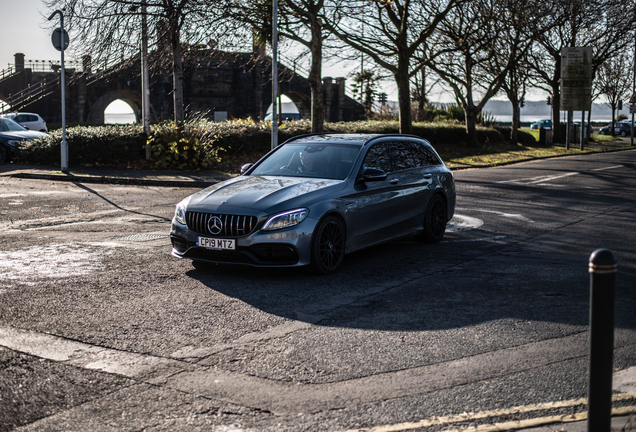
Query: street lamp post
62,43
274,74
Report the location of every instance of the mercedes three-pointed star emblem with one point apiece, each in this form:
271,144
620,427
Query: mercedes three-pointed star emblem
215,225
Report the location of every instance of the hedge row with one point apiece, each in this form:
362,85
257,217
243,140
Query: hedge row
205,144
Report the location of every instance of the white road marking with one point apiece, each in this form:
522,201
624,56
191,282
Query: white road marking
608,168
502,214
539,179
463,223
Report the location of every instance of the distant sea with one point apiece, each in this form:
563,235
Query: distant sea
119,118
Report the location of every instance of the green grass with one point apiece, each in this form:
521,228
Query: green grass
506,153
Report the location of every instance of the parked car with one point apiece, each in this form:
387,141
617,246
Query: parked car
622,129
316,197
284,116
11,135
541,124
29,121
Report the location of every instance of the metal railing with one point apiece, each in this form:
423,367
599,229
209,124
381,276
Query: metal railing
297,68
32,93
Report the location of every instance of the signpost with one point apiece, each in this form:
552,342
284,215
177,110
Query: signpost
576,85
60,41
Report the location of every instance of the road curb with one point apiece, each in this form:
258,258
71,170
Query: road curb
112,180
540,158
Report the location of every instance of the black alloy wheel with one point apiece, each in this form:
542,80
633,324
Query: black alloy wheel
623,134
435,220
328,246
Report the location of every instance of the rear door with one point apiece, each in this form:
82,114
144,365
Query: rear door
416,169
374,208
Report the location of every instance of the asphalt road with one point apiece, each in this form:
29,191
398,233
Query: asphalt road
101,329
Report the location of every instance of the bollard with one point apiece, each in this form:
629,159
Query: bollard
602,280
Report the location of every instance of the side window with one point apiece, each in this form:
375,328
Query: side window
426,156
377,157
404,155
19,118
32,118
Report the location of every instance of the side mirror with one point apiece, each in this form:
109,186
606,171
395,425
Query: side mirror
246,167
372,175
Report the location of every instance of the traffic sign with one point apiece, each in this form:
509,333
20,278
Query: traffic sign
632,109
55,38
576,78
632,100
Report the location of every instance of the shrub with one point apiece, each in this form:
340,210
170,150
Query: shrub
194,145
117,145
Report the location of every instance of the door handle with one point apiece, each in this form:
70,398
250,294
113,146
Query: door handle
394,181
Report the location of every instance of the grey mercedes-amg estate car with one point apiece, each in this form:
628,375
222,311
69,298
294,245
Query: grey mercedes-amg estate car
316,197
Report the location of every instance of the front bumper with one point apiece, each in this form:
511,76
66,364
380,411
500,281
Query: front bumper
288,247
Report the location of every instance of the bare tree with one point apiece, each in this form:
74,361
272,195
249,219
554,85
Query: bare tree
107,29
390,32
475,48
613,83
423,82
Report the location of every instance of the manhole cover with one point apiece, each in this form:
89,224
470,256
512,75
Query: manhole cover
141,237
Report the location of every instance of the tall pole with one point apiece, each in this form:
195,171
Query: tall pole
274,74
145,91
633,88
64,145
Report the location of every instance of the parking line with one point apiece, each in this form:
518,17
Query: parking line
608,168
539,179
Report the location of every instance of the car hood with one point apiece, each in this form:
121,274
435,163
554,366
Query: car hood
262,193
23,135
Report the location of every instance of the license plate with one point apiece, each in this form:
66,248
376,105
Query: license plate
217,244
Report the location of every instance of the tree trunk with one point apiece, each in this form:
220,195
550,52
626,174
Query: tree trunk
514,128
404,99
556,104
471,126
315,80
177,80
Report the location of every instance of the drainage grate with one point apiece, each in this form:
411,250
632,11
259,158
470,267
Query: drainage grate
142,237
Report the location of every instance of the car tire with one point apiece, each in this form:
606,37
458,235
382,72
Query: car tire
623,134
435,219
601,132
4,154
328,246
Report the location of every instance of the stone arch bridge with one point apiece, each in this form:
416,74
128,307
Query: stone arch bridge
217,85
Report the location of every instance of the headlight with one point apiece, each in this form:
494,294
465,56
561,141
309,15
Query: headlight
284,220
13,142
180,211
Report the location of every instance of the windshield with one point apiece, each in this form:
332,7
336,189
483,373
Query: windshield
314,160
7,125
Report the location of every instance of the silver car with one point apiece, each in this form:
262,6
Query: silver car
315,198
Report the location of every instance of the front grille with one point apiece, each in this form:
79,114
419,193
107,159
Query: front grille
233,225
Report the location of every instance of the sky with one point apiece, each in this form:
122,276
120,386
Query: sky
23,32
